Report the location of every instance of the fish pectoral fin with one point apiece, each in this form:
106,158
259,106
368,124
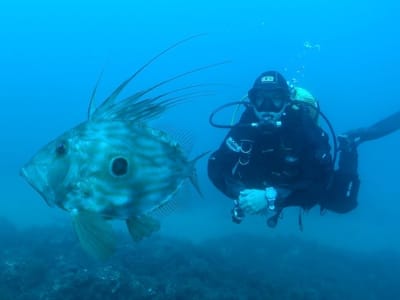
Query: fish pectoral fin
143,226
95,234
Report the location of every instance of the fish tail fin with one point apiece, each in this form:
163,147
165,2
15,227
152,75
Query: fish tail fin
95,234
193,173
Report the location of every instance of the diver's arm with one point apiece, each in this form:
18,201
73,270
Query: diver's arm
316,158
337,191
316,171
307,191
222,164
334,190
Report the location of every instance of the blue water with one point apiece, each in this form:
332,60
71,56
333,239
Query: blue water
345,53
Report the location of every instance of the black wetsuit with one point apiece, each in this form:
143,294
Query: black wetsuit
293,157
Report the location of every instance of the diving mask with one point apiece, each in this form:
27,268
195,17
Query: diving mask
268,101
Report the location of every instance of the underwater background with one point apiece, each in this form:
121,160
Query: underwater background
345,52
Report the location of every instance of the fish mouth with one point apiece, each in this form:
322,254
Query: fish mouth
37,181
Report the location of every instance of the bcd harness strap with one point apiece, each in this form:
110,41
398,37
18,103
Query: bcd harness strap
244,150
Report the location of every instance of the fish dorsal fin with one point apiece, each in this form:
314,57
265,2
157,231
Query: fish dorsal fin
183,136
92,103
136,109
111,99
95,234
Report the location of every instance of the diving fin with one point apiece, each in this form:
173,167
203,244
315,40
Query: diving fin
95,234
379,129
143,226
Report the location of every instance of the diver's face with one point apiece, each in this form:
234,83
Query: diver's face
269,101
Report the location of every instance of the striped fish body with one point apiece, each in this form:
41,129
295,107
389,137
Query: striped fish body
114,168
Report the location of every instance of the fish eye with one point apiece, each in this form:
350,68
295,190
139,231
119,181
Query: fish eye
119,166
61,148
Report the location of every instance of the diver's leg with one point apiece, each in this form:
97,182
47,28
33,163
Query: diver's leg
346,184
343,191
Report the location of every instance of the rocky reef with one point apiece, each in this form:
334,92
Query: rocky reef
48,263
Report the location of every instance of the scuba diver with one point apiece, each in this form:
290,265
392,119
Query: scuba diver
278,156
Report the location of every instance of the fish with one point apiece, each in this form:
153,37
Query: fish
115,165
